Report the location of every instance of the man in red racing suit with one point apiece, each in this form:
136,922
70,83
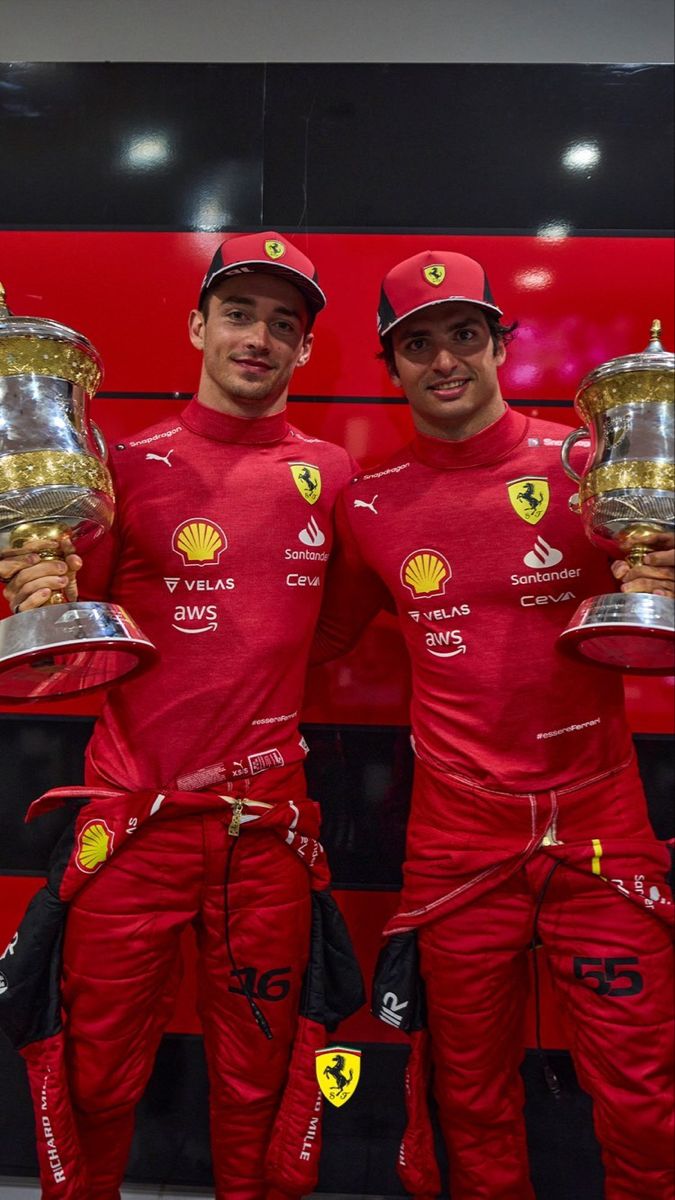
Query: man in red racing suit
528,819
219,549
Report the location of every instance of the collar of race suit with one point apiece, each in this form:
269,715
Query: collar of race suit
221,427
491,445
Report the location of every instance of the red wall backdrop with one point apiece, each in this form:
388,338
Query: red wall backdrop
131,292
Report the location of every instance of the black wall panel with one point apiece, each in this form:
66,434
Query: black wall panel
361,776
294,146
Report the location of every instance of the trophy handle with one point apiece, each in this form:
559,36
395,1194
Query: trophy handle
101,444
570,441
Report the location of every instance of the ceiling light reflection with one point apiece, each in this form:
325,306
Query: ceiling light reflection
554,231
524,375
581,156
145,151
211,215
534,279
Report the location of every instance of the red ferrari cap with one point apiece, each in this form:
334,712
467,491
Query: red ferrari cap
244,253
431,277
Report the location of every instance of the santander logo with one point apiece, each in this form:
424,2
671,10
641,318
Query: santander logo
542,555
311,535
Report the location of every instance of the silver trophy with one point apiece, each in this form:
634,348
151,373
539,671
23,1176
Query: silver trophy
55,493
627,504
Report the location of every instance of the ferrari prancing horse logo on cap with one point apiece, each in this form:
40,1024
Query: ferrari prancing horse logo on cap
434,274
338,1069
274,249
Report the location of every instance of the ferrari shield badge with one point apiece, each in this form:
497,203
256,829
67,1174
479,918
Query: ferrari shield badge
274,249
529,498
307,480
434,274
338,1070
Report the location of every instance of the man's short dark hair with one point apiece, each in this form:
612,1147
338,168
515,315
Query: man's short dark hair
500,334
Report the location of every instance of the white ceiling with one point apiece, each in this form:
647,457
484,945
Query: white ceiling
337,30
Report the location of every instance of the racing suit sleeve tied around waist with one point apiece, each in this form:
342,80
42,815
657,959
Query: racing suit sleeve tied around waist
30,1016
398,999
30,974
332,991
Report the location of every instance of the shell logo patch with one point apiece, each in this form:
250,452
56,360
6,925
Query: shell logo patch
307,479
434,274
529,497
338,1070
426,572
274,249
199,541
94,845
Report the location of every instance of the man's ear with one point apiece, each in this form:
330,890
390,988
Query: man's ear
196,322
304,356
500,355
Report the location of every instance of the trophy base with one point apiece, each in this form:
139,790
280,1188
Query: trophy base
630,631
66,649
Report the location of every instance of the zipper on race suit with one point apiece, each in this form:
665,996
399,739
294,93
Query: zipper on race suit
551,838
234,828
552,1081
256,1012
235,820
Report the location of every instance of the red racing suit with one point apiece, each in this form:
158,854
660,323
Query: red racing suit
219,549
528,819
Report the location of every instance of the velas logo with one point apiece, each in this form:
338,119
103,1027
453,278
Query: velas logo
338,1070
94,846
426,572
307,479
274,249
199,541
529,497
434,274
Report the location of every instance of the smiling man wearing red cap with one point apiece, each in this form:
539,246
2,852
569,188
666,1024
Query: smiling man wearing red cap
196,810
528,820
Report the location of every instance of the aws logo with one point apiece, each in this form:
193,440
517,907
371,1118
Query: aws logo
426,572
199,541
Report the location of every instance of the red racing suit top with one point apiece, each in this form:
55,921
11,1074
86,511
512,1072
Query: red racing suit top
219,547
486,563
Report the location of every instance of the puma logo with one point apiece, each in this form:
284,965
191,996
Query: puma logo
160,457
364,504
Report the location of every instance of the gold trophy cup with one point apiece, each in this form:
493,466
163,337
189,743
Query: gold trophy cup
56,494
627,504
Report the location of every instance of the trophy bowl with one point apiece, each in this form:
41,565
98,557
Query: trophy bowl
56,495
626,501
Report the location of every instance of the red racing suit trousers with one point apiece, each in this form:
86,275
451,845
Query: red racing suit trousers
248,898
581,871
